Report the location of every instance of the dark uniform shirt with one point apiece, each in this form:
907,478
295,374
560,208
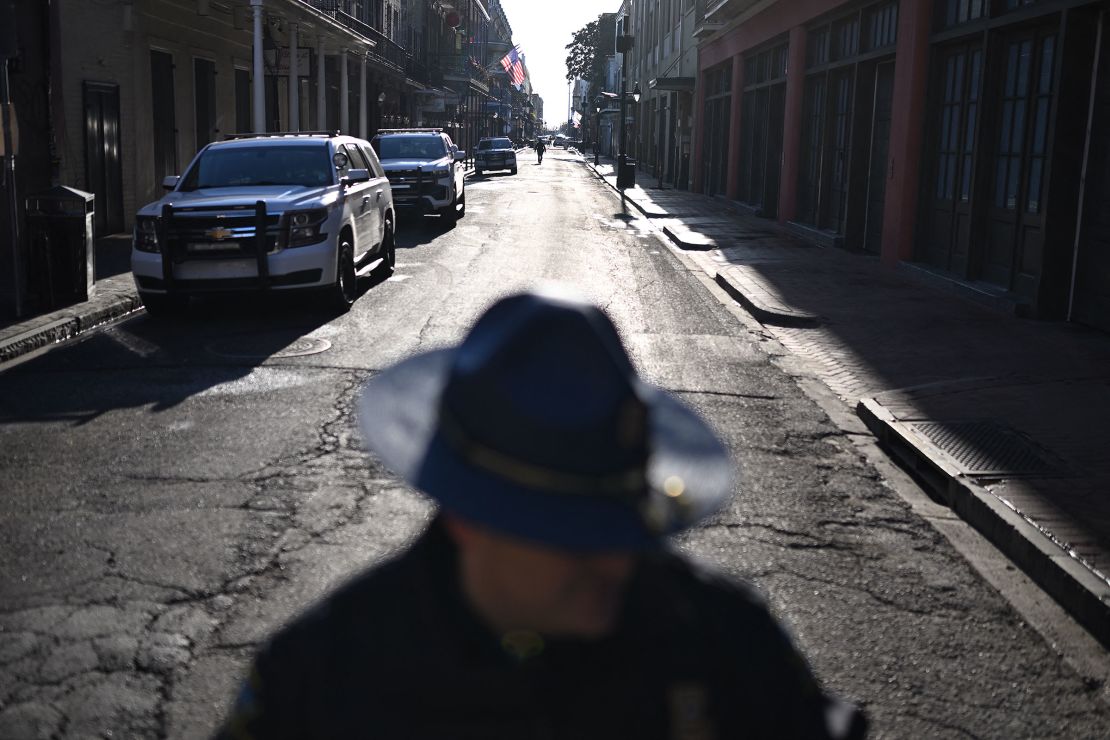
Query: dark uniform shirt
398,653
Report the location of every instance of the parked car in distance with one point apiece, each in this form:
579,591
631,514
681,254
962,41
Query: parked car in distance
425,171
495,153
560,140
267,212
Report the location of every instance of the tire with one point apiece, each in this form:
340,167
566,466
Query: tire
159,304
388,252
450,213
477,172
345,289
512,171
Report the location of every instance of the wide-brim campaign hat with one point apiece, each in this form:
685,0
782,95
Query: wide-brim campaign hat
537,426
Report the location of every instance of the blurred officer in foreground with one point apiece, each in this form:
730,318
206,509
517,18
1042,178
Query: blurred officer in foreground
542,600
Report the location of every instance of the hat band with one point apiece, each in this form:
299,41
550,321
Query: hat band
629,484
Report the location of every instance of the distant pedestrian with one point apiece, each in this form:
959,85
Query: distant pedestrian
540,149
542,600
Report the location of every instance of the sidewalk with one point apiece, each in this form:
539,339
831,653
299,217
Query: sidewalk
1003,418
113,296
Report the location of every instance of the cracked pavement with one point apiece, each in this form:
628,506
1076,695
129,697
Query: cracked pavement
161,511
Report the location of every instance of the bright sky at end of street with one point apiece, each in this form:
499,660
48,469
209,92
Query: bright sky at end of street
542,30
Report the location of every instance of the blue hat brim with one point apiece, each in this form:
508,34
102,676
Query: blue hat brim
398,414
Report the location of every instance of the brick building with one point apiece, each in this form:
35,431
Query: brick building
967,138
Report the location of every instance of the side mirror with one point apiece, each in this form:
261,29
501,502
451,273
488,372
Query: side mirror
356,175
169,182
460,155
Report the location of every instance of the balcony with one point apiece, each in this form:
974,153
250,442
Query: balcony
462,68
711,16
386,52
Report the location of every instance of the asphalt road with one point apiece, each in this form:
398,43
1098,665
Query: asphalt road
171,490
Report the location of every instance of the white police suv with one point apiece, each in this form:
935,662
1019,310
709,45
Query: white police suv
267,212
425,171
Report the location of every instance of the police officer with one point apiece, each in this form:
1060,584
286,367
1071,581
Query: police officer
542,600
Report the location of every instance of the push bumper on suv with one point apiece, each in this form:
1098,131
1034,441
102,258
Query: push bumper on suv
209,250
416,190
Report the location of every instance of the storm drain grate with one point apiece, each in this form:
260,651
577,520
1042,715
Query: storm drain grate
984,447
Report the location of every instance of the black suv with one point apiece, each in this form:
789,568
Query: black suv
495,153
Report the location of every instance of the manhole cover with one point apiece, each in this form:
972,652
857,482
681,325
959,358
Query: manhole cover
261,347
984,447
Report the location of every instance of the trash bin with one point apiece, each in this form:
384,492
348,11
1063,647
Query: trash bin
60,246
626,172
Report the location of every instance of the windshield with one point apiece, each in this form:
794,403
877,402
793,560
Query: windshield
233,167
410,147
495,144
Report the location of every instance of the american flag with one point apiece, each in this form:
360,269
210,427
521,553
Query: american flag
513,63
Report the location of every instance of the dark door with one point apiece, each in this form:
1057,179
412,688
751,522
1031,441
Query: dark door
1091,302
204,100
835,206
1015,228
243,101
776,120
880,153
165,124
813,147
948,235
102,155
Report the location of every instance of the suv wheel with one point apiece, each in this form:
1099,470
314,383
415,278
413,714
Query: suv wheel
345,290
388,251
159,304
450,212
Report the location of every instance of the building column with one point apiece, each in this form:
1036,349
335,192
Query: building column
903,170
792,125
258,76
321,87
362,97
294,81
344,102
732,167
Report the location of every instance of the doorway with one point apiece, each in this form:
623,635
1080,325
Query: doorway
882,114
103,172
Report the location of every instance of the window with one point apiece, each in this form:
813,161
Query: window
880,26
204,96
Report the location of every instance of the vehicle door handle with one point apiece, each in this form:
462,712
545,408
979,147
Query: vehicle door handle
379,195
365,199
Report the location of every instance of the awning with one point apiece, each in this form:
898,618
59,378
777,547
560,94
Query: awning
680,84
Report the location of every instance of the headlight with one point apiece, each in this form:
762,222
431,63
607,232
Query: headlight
441,174
305,227
146,234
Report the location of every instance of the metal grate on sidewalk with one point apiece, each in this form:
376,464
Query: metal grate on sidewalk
986,448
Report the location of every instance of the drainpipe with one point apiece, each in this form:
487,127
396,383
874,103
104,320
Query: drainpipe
259,75
1086,160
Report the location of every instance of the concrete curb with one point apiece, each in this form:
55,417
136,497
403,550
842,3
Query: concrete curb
749,294
71,323
1079,589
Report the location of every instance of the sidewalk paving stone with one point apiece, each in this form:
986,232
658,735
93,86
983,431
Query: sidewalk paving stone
951,385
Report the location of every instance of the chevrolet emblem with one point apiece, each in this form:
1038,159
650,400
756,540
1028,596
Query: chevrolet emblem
218,234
